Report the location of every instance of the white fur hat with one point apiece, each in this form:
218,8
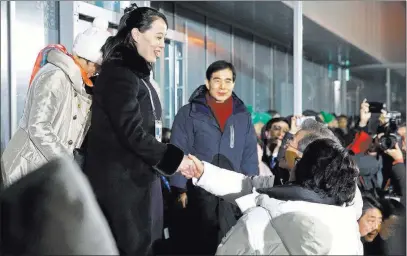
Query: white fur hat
88,43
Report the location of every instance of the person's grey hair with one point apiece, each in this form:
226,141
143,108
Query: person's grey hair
314,131
308,139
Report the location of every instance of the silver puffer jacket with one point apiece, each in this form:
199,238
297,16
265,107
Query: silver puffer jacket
55,120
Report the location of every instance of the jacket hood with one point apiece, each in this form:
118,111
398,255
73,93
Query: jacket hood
317,228
131,59
292,192
68,66
53,211
199,96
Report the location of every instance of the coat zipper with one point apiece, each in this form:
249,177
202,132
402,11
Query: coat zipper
217,122
232,136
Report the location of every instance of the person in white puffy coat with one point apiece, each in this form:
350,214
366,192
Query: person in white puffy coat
57,109
317,214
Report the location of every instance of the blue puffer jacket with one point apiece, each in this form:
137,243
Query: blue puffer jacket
197,132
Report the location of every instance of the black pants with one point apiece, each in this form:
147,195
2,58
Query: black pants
200,227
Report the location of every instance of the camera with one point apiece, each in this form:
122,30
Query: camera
390,137
376,107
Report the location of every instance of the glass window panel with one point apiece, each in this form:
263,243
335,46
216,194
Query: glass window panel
311,90
323,95
155,4
4,86
263,75
179,22
243,59
36,18
168,10
179,77
167,92
109,5
218,42
196,49
211,43
283,88
157,71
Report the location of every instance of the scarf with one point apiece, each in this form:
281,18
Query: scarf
42,60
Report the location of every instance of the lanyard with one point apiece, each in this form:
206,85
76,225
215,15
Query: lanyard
166,183
151,99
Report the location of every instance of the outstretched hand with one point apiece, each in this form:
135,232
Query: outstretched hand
194,172
186,165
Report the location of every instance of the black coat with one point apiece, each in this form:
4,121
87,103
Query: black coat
123,156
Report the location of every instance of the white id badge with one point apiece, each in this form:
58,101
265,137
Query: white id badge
158,130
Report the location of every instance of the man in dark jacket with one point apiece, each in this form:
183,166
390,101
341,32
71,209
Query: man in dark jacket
275,131
216,127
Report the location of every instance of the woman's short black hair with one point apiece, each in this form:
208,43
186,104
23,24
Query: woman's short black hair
327,169
220,65
134,17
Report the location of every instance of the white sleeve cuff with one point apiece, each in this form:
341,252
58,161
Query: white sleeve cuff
208,169
218,181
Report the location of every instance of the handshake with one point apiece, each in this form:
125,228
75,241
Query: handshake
191,167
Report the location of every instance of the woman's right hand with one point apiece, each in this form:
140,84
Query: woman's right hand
195,171
186,166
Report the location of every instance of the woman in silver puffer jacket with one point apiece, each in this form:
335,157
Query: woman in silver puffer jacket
57,109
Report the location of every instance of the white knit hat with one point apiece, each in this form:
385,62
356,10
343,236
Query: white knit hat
88,44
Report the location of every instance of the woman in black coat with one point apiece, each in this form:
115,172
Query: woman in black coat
125,158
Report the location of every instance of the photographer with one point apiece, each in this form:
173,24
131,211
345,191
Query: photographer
397,173
375,152
369,162
382,225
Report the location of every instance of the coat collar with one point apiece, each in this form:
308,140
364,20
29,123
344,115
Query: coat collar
199,97
292,192
68,66
131,59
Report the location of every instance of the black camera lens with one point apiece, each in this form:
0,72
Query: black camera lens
387,142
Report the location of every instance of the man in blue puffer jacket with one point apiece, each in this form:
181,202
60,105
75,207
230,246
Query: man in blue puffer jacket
216,127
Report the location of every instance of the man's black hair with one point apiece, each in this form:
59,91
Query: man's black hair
370,200
309,112
220,65
272,112
276,120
